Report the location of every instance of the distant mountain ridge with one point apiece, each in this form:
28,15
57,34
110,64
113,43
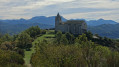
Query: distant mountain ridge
108,28
51,21
100,22
37,19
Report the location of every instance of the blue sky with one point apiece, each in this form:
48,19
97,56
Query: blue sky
70,9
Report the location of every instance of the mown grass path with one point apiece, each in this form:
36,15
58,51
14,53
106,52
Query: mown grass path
28,55
49,34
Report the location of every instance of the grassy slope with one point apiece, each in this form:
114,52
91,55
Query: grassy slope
48,36
28,55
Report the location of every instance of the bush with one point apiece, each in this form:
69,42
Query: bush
10,58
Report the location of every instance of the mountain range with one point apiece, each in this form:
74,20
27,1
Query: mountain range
51,21
108,28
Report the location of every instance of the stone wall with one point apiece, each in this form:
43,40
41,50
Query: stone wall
74,28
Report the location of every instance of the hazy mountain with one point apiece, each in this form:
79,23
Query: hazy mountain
108,30
100,22
6,27
51,21
37,19
103,27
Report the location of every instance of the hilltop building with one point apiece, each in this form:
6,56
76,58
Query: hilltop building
71,26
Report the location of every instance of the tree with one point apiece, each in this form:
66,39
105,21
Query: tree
64,40
10,59
70,38
113,59
58,36
14,37
7,46
82,38
6,37
33,31
89,35
23,40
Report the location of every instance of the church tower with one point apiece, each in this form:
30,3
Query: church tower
58,20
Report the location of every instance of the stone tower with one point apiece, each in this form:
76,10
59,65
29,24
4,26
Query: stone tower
58,20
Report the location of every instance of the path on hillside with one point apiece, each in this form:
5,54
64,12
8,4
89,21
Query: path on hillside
28,54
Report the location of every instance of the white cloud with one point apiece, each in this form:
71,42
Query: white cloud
107,9
108,15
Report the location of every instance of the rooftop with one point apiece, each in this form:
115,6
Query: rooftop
75,21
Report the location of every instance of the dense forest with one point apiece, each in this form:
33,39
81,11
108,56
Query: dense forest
57,49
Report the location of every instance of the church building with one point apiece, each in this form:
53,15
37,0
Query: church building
71,26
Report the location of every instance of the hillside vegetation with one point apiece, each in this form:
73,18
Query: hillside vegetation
35,47
16,50
67,50
106,30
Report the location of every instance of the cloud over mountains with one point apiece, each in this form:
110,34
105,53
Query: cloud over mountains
88,9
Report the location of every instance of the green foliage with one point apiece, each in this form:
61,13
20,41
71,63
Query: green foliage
24,41
82,53
70,38
56,56
15,45
89,35
6,37
34,31
19,51
43,31
113,59
85,54
11,59
7,46
1,41
62,50
14,37
81,38
64,40
58,36
104,41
